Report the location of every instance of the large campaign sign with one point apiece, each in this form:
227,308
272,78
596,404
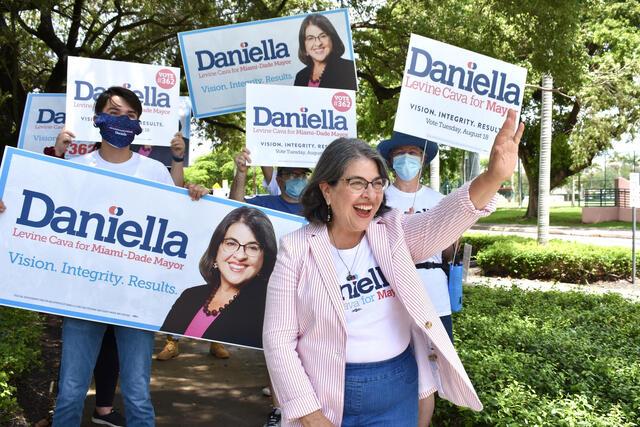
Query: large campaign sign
456,97
219,62
44,117
151,262
157,86
291,126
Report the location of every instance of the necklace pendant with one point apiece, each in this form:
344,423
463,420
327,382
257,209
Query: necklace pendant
351,277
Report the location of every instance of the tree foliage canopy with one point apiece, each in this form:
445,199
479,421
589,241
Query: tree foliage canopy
590,47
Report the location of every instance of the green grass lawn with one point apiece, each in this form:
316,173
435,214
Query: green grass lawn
562,216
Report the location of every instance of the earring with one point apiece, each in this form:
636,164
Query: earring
328,213
215,265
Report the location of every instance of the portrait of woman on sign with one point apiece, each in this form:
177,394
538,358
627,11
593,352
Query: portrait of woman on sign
236,267
321,50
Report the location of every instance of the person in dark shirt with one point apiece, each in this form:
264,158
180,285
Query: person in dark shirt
291,181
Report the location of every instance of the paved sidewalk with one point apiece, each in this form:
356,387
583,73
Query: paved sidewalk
196,389
623,288
594,236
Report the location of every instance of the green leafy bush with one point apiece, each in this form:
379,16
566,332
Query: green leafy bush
559,260
547,359
20,333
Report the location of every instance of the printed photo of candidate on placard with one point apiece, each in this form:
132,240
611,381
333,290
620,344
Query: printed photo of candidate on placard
321,49
235,267
134,252
312,50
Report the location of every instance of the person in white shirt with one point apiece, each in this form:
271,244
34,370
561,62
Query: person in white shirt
117,113
407,155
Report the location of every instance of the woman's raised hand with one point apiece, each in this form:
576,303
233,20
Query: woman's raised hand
504,153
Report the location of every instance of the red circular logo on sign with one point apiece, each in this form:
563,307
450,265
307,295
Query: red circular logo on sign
341,101
165,78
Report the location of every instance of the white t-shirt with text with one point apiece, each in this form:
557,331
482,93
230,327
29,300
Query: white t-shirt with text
378,325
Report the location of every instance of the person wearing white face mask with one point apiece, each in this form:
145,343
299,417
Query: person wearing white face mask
291,182
407,155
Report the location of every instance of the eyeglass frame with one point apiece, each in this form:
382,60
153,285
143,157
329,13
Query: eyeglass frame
385,184
320,38
244,247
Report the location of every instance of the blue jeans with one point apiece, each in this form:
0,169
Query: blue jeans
382,394
447,322
81,341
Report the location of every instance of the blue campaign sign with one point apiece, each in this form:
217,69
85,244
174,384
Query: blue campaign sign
83,243
219,62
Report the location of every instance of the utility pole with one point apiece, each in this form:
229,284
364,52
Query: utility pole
545,159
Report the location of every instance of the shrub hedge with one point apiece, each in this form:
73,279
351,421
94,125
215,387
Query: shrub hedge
547,359
20,334
563,261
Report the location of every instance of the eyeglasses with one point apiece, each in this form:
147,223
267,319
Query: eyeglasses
231,246
359,185
322,38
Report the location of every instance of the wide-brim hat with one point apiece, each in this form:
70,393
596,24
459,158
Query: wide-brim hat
398,139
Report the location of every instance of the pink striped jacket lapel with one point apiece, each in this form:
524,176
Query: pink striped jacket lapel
320,246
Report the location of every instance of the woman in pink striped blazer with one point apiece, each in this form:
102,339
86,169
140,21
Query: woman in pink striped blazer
349,336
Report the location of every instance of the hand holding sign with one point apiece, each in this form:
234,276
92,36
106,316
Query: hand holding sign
63,140
242,160
502,162
177,146
504,153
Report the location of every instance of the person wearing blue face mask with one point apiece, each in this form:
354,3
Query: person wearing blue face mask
291,181
407,155
117,113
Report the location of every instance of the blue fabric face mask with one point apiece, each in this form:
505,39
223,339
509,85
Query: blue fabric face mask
118,131
407,166
294,187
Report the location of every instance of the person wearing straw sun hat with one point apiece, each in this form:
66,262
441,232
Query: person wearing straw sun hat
407,155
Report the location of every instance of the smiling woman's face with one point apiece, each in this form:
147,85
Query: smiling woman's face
317,43
240,256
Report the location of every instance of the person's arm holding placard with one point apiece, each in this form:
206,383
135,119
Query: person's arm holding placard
177,159
239,182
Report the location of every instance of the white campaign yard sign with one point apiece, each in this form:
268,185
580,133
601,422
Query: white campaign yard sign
291,126
44,117
219,62
157,86
43,120
107,255
456,97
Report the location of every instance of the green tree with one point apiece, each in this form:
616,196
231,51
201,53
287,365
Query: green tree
591,47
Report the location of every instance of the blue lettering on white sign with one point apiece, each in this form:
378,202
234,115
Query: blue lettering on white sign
46,115
266,51
326,119
495,87
149,96
64,220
